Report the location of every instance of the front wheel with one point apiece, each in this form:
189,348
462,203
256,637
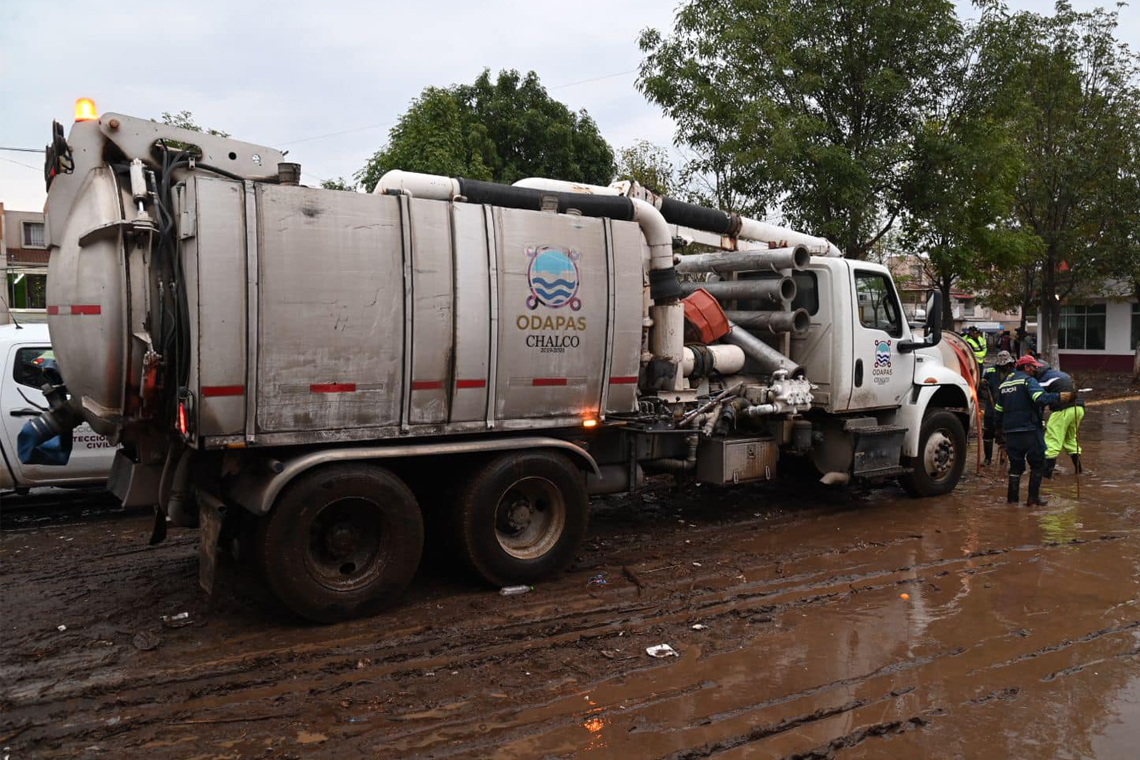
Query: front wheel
521,517
343,541
941,456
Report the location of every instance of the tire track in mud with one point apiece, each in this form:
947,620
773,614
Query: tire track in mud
568,626
489,656
410,656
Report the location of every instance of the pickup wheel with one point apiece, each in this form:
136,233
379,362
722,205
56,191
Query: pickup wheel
343,541
521,517
941,456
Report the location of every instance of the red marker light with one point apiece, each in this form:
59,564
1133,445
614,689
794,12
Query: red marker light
183,427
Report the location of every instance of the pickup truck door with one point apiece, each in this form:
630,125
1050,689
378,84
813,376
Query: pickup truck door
881,374
21,399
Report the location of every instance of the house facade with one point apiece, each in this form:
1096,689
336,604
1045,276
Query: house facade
23,246
915,287
1100,333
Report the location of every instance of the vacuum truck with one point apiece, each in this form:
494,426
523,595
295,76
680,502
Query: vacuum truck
312,376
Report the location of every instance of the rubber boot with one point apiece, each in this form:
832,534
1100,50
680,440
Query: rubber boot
988,445
1011,495
1080,468
1050,464
1035,500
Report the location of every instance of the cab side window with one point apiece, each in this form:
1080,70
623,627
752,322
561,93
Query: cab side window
877,304
26,368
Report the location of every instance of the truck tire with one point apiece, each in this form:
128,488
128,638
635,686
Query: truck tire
521,517
343,541
941,456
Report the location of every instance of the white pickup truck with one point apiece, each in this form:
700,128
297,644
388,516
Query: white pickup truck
23,349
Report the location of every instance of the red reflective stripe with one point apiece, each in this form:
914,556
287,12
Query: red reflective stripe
427,385
79,308
541,381
333,388
470,383
210,391
624,380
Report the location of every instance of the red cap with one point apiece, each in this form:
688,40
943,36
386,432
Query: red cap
1028,361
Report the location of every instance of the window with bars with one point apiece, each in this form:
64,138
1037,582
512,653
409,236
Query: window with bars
33,234
1082,327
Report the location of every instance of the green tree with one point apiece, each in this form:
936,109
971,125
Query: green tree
501,130
185,120
958,188
1124,246
811,102
340,183
1075,116
649,165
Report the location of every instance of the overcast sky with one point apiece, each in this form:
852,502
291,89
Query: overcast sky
325,79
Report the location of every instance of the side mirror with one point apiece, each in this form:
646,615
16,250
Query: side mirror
933,326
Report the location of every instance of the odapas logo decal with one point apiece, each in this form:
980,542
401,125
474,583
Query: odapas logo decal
882,369
553,278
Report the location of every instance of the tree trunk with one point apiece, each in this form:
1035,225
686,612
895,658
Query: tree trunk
1049,327
947,305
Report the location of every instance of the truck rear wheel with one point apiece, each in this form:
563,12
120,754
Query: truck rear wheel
343,541
941,456
521,517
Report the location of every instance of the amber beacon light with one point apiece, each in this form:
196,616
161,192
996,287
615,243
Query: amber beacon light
85,110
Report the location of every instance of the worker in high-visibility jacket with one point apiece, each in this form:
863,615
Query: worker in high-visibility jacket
1018,413
977,343
1064,421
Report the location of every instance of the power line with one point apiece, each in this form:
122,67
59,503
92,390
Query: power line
592,79
336,134
24,150
26,166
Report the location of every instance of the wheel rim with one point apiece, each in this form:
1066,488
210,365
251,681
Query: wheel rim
939,455
530,517
345,544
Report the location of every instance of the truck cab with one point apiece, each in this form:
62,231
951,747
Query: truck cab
876,385
23,349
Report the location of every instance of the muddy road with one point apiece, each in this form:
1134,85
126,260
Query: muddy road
807,623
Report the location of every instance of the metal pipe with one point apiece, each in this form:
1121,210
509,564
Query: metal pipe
776,322
696,217
776,291
709,404
175,507
774,259
767,358
725,360
418,185
751,229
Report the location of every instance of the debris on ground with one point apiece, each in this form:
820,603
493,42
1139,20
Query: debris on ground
144,641
661,650
515,590
598,580
177,621
633,578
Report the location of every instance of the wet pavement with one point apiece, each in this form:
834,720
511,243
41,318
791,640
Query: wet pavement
808,623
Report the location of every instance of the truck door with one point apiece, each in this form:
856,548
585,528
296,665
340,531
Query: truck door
881,374
21,399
